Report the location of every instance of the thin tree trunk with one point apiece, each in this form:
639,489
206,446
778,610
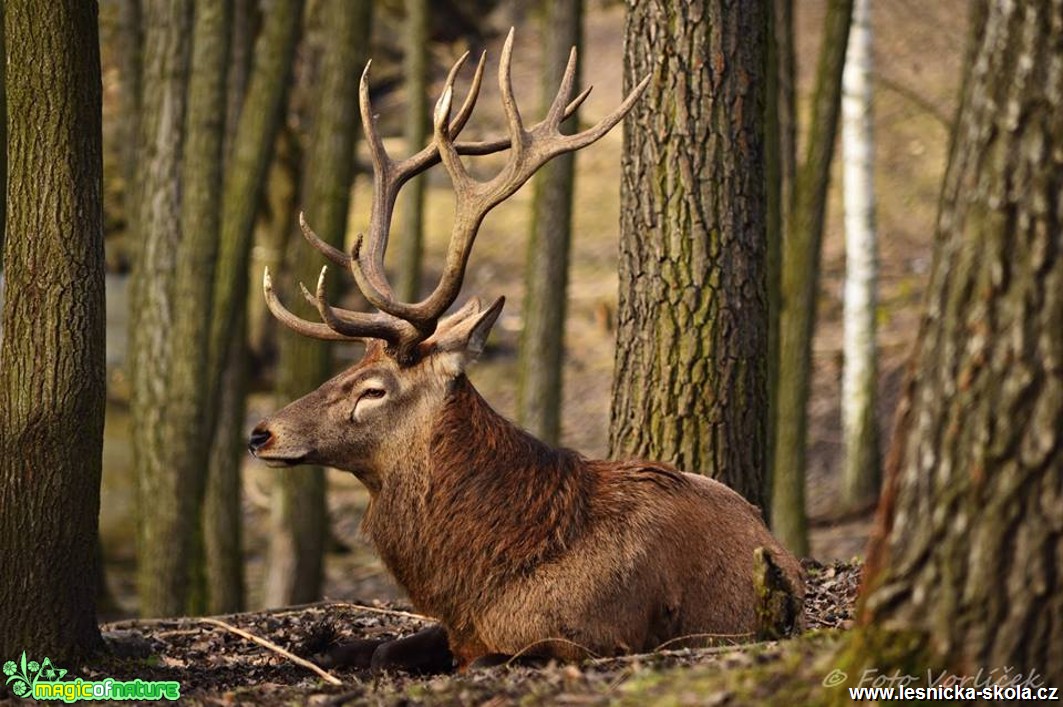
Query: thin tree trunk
800,283
780,170
130,47
52,370
245,177
539,378
299,517
861,469
259,120
165,538
222,509
965,570
690,384
3,142
411,245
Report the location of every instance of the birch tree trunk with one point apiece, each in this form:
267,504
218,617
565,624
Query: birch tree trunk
861,472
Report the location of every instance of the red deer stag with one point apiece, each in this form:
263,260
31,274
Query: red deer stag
514,546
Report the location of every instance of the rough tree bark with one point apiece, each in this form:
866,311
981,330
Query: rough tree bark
800,283
165,530
3,142
861,467
690,384
299,517
542,345
52,379
411,245
965,567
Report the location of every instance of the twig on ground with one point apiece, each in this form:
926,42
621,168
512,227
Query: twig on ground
324,675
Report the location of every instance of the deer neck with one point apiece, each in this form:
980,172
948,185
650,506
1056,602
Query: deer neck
488,498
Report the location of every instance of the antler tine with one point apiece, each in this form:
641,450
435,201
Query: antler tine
553,116
569,143
470,98
293,322
334,254
509,103
379,156
340,324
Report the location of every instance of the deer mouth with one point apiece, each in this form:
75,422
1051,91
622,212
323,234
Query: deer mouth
282,462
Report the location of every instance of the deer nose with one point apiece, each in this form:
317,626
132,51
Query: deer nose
260,437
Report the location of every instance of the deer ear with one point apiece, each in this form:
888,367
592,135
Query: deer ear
466,338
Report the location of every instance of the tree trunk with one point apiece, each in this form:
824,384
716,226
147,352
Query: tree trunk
780,169
165,534
800,283
222,511
299,518
966,567
52,378
222,508
411,245
245,177
542,345
3,143
251,148
129,57
861,470
690,384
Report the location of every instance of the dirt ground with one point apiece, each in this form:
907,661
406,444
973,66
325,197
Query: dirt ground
218,662
918,49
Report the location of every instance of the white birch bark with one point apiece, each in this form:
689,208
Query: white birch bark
861,466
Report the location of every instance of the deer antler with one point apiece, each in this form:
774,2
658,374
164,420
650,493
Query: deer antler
404,325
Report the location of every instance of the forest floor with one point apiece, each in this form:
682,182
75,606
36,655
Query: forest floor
918,54
217,666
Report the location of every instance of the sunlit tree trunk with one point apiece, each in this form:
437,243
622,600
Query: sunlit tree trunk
542,345
861,466
299,517
800,283
52,377
690,383
965,571
165,497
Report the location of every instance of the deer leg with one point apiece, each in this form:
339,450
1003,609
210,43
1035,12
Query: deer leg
425,652
356,654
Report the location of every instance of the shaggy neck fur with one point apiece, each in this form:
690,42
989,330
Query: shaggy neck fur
488,505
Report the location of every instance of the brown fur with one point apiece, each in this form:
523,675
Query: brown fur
515,542
517,547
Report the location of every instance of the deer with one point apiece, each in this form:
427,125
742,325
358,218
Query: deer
513,546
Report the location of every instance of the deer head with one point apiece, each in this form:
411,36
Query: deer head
380,411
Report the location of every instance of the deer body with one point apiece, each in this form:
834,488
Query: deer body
516,547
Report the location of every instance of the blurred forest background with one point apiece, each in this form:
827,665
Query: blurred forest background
917,57
823,219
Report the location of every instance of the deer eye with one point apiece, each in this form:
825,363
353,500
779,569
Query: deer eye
371,394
